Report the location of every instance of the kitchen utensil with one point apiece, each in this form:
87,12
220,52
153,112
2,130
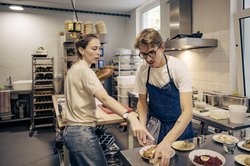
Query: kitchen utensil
227,100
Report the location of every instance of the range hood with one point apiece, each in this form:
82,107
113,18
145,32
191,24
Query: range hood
181,29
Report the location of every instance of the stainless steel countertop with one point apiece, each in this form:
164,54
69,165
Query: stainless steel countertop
181,158
223,124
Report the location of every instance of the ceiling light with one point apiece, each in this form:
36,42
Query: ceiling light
14,7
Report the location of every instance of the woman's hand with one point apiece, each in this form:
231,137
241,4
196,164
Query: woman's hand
163,150
143,139
139,130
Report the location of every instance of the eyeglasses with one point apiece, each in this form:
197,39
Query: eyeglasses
151,54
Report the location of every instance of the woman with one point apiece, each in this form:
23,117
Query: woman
167,82
81,88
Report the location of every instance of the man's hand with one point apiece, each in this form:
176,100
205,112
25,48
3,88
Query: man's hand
163,150
138,129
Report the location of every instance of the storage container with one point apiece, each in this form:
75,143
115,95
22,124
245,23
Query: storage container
233,100
123,90
22,85
123,51
237,113
126,80
123,100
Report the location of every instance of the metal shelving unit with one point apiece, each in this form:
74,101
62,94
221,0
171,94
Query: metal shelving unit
42,114
124,65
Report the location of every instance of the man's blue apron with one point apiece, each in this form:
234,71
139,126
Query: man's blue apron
164,105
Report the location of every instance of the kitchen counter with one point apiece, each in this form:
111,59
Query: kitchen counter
223,125
133,158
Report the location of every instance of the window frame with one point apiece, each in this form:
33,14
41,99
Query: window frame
239,52
146,7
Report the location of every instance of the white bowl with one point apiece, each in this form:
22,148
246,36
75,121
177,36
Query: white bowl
199,152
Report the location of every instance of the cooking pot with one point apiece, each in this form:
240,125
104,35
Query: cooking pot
237,113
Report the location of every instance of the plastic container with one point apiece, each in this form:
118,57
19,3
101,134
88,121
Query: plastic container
123,99
237,113
22,85
123,51
123,90
126,80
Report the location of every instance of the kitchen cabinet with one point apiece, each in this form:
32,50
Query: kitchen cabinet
42,114
20,104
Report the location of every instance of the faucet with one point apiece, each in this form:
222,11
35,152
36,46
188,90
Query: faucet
8,84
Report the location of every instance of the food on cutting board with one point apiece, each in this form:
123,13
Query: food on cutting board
247,161
207,160
246,144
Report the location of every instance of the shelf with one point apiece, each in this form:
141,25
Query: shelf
41,95
47,109
43,89
43,102
44,80
14,120
42,86
44,117
44,125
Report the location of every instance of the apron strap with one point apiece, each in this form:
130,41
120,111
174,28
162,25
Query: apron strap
170,78
148,74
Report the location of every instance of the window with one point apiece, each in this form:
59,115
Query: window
246,4
152,19
242,26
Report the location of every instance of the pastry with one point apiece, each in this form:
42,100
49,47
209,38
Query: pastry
154,162
247,161
149,153
246,144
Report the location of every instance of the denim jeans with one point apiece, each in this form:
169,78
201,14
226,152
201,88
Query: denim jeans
83,145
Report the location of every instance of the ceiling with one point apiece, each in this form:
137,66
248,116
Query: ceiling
118,6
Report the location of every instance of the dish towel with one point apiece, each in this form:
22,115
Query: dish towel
5,106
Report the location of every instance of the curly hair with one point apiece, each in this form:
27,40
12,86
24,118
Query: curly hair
148,37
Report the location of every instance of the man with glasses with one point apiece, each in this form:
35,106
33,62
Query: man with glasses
165,82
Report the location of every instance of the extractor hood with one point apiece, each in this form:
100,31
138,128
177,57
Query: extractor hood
181,29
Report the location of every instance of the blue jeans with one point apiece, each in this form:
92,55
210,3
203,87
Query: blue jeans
83,145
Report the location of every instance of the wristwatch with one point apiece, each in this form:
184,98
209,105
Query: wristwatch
125,115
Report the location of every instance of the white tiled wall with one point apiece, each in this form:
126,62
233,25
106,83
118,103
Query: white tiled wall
209,66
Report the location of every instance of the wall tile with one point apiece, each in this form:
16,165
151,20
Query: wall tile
210,66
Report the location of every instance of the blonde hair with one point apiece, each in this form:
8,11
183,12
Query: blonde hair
148,37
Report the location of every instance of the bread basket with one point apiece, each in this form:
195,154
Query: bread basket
104,72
